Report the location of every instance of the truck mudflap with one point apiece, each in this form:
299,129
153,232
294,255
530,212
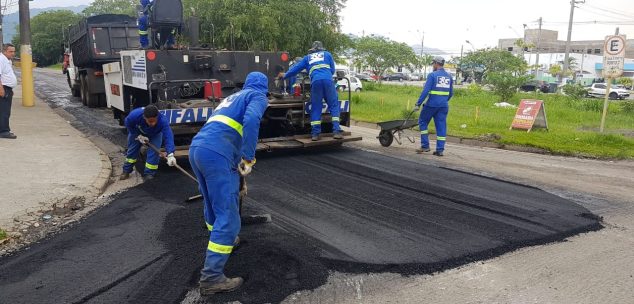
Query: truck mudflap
289,143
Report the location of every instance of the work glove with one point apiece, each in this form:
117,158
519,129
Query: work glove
171,160
416,108
142,139
246,166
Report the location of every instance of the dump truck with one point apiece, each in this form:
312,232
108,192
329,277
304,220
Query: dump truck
96,41
188,83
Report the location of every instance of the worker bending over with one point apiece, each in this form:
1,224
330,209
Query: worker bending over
148,125
224,148
439,89
321,68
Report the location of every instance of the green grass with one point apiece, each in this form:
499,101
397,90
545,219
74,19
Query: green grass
573,124
3,234
57,66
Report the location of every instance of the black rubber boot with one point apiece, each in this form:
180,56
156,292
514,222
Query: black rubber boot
422,150
438,153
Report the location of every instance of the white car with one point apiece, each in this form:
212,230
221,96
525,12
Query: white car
599,90
355,84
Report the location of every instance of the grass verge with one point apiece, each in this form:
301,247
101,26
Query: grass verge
573,124
57,66
3,234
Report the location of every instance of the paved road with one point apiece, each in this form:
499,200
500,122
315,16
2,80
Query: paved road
344,210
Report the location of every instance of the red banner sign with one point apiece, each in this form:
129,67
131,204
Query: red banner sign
530,114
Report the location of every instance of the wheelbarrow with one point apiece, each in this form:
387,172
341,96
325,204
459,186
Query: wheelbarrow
393,129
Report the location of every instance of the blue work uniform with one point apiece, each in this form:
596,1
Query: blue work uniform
321,68
159,134
143,23
230,135
439,89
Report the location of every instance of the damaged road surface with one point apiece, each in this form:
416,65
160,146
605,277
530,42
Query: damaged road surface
344,210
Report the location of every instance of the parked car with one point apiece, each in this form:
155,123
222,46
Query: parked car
600,89
355,84
397,76
535,85
365,77
416,77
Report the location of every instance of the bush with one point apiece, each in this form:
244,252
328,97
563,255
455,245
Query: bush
627,106
576,91
505,84
3,234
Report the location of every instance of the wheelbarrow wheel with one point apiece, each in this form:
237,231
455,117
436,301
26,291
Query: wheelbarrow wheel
386,138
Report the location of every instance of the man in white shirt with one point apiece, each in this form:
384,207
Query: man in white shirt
8,81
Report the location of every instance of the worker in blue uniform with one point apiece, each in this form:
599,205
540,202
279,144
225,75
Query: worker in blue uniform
293,79
148,125
223,150
143,23
439,89
321,68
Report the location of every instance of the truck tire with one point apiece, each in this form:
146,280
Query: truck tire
73,90
92,100
83,89
103,103
614,96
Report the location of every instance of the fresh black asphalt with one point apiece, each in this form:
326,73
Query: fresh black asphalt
340,210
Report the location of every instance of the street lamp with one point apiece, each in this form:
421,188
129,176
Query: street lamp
471,44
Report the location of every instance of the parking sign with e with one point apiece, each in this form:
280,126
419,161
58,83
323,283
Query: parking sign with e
613,56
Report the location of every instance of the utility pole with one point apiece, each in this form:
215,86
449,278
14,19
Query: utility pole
1,21
26,55
460,65
539,40
572,13
422,45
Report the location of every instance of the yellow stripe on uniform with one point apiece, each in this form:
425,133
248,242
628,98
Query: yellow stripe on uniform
441,138
217,248
441,93
151,167
315,123
424,132
209,227
130,160
335,119
227,121
319,66
142,32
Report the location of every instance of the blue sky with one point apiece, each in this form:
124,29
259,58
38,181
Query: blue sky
447,24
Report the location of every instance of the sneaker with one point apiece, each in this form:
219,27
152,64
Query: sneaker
9,136
438,153
124,176
315,137
422,150
147,178
338,135
229,284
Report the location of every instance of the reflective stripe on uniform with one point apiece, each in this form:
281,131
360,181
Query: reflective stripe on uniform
227,121
424,132
142,32
441,138
217,248
209,227
319,66
315,123
130,160
335,119
441,93
150,166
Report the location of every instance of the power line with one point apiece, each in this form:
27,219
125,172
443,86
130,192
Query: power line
612,11
602,14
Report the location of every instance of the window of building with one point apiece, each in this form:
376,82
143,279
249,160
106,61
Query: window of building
510,49
597,51
589,51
